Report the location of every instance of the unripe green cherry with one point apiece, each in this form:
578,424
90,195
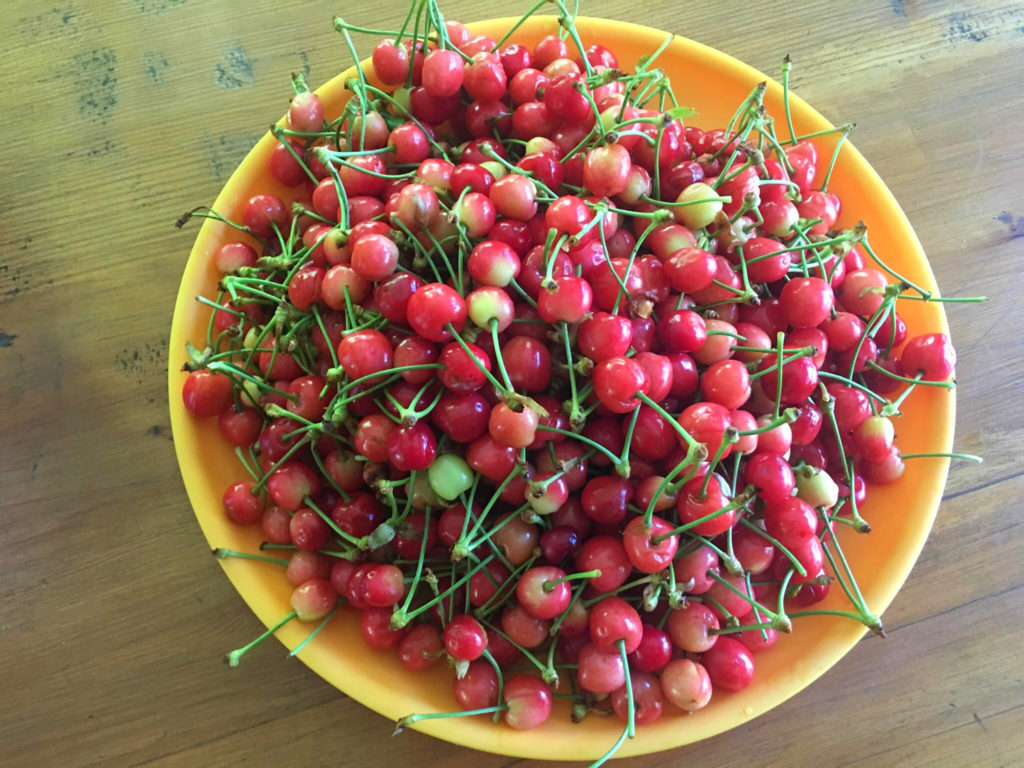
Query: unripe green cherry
251,338
540,144
251,392
496,169
490,303
816,487
450,475
697,215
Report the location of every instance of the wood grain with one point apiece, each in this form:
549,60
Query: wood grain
123,114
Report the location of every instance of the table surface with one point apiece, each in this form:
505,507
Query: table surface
113,620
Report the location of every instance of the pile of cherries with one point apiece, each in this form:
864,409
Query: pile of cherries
548,386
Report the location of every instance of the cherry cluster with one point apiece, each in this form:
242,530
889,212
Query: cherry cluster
548,385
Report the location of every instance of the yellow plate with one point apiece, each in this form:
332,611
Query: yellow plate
901,514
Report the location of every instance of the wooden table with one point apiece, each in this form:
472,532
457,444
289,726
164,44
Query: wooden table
123,114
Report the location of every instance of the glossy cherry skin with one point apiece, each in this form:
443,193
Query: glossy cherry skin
645,553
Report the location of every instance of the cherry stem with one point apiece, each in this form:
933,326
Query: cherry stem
779,620
628,585
561,618
509,392
828,407
309,638
550,584
965,456
776,543
871,622
463,547
236,655
788,416
501,682
221,553
408,720
891,375
401,618
730,437
410,593
893,408
787,65
529,656
503,589
835,154
694,446
597,446
536,7
740,501
631,707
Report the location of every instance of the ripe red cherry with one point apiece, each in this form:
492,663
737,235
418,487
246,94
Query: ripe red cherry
568,300
654,651
478,688
616,382
613,619
772,476
605,335
600,669
240,505
434,306
459,372
686,684
692,505
931,355
791,520
605,554
799,378
463,417
645,553
707,423
538,593
648,699
412,448
690,269
206,393
464,638
727,383
806,301
529,702
420,648
374,257
364,353
729,664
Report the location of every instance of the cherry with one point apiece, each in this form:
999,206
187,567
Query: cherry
729,664
791,520
291,483
650,549
523,628
686,684
484,583
459,372
604,498
516,539
599,669
274,524
364,353
478,688
383,585
206,393
654,651
798,380
862,291
648,699
604,335
528,363
753,550
308,530
511,427
694,567
529,702
607,555
873,438
420,648
313,600
806,301
432,308
240,505
888,470
359,516
616,382
463,417
306,112
931,356
411,448
727,383
772,476
568,300
543,591
464,638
